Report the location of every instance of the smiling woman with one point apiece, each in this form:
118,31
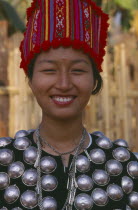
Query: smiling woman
60,166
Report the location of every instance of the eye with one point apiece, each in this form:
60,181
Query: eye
49,70
78,70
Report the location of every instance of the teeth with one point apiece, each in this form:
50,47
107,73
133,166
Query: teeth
60,99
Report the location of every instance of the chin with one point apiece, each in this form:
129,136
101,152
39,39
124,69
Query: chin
64,116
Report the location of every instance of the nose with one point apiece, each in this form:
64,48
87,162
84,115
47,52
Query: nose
64,81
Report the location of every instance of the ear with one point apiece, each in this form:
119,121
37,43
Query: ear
30,83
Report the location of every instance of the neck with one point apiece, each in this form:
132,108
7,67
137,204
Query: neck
61,132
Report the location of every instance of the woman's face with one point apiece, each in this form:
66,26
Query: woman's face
62,82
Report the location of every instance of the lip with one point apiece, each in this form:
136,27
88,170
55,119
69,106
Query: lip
67,96
63,103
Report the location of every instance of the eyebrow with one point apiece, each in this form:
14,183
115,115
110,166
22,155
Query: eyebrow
73,61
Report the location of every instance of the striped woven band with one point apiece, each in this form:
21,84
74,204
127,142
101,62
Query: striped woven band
53,23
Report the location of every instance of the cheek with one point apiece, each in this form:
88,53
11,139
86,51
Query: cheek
40,84
88,84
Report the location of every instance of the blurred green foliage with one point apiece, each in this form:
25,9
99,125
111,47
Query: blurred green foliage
125,7
9,13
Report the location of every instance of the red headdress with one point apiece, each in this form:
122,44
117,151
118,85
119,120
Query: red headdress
53,23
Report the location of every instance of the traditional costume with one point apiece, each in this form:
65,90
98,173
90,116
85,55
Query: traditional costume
105,174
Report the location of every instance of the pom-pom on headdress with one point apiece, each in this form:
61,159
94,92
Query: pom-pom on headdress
53,23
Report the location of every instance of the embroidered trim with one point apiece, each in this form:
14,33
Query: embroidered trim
92,37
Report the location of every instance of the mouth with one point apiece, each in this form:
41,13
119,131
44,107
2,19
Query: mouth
63,98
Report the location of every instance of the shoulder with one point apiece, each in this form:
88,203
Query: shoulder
119,148
120,163
10,146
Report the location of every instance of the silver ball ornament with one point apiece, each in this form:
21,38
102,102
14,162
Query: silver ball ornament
133,200
121,154
29,199
104,142
17,208
6,157
127,184
16,169
22,143
49,203
100,177
136,154
11,194
121,142
3,208
84,182
20,133
49,182
29,177
82,163
113,167
48,164
83,201
132,169
128,207
98,133
97,156
4,141
30,131
4,180
115,192
99,197
30,155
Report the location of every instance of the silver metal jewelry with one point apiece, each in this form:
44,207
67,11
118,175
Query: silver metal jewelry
71,184
43,141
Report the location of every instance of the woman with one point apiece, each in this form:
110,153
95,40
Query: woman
60,165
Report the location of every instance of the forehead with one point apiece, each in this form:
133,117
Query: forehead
62,54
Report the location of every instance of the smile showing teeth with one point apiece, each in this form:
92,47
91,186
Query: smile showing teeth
63,99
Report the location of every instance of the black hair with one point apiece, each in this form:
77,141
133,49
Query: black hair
98,81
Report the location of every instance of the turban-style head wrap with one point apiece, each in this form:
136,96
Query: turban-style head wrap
54,23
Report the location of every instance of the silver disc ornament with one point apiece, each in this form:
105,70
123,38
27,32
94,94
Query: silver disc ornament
29,199
132,169
49,182
121,142
84,182
121,154
98,133
22,143
115,192
16,169
30,155
127,184
29,177
83,201
30,131
97,156
128,207
99,197
100,177
136,154
6,157
113,167
4,141
11,194
4,180
82,163
133,200
48,164
21,133
49,203
104,142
